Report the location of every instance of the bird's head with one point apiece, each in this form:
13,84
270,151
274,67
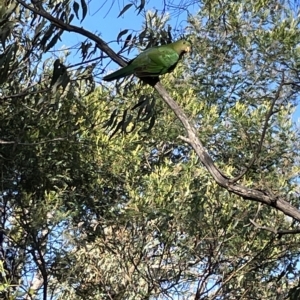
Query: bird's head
182,46
187,46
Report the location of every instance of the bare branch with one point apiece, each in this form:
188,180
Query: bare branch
24,93
279,232
2,142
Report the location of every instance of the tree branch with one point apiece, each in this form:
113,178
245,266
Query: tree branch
2,142
222,180
72,28
278,232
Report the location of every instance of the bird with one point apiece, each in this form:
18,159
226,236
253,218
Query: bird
154,61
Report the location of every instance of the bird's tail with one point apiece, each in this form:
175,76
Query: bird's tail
128,70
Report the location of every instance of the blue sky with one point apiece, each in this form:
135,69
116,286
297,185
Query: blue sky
103,21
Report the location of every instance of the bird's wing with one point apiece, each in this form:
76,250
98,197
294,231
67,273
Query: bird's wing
155,61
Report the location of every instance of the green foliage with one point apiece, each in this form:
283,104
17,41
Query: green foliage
100,198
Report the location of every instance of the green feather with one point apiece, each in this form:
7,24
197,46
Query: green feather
126,71
154,61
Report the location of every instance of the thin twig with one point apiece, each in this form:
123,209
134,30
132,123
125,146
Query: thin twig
279,232
2,142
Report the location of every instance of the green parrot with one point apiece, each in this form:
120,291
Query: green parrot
154,61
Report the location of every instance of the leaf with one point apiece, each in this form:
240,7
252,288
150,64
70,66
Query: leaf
2,59
65,79
126,123
148,111
151,124
57,8
76,9
47,35
170,34
124,115
84,9
111,120
131,44
39,28
117,129
7,58
143,101
125,8
93,52
53,41
56,72
84,49
71,18
4,35
128,38
120,34
294,293
142,36
141,6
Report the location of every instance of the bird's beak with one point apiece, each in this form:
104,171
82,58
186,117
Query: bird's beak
188,49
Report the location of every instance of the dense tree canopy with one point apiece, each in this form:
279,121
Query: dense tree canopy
183,188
